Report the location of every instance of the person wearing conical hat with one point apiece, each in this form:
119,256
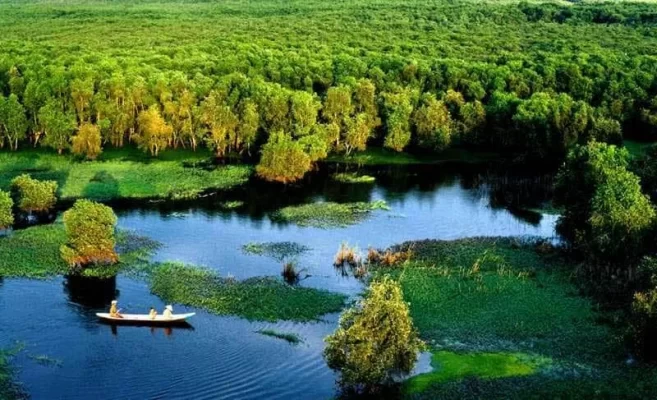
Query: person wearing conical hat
168,312
114,312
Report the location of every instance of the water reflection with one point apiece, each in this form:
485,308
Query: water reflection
154,330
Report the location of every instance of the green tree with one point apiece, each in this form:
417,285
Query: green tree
283,159
6,216
304,109
154,132
375,340
247,130
398,109
90,234
13,120
221,123
57,126
87,142
433,124
606,217
34,195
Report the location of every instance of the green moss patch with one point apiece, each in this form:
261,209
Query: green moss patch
327,214
452,366
34,253
265,299
123,174
291,338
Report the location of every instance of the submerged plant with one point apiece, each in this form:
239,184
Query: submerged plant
291,338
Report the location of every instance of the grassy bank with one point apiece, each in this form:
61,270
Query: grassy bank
327,214
124,174
261,298
34,253
490,308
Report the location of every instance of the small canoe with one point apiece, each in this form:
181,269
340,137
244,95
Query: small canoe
145,319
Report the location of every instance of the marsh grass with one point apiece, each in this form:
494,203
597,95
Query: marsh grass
291,338
9,388
455,366
327,215
503,295
277,250
123,174
261,298
291,273
35,253
352,177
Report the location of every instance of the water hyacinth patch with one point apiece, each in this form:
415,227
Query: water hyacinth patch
327,215
260,298
352,177
277,250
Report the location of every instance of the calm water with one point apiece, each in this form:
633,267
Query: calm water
223,357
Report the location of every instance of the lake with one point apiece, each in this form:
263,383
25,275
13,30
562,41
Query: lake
68,354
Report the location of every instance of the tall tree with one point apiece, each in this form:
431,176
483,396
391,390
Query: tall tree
57,126
13,120
87,142
154,133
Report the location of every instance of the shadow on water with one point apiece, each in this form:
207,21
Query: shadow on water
90,293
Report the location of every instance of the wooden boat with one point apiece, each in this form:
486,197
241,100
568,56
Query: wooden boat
145,319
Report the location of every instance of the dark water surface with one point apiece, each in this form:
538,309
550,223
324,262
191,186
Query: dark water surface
224,357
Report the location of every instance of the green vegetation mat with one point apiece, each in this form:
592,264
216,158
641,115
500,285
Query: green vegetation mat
34,253
497,298
327,214
291,338
124,174
261,298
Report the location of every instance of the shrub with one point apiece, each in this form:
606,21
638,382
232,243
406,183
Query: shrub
90,234
375,340
6,217
34,195
644,323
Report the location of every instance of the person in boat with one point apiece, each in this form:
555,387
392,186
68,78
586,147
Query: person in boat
168,312
152,313
114,312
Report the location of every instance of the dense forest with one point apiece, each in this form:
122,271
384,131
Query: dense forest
288,82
